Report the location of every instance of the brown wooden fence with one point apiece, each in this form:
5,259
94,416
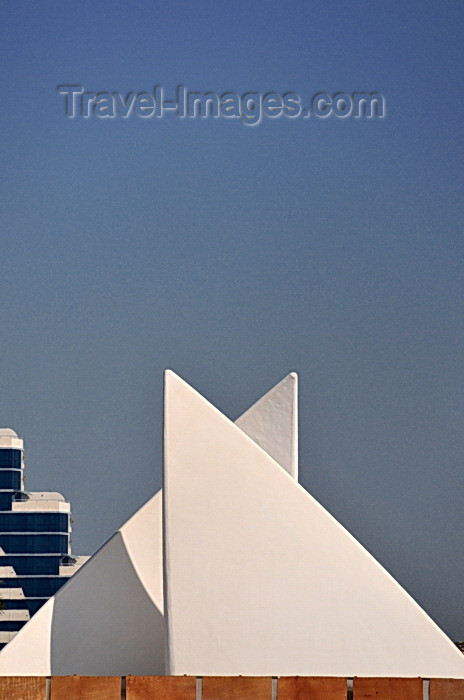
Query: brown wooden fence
227,688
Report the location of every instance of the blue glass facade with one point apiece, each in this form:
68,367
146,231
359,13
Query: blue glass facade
10,459
35,539
34,522
32,565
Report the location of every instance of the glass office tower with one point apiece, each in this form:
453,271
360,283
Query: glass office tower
35,546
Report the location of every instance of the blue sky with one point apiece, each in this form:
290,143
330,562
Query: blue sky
234,254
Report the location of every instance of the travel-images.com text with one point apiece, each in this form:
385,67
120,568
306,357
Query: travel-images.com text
249,107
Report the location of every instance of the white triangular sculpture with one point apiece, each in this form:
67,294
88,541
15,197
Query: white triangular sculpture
272,422
108,619
261,580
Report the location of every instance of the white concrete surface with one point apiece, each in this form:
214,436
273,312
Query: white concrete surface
10,439
6,637
261,580
104,621
70,569
30,654
45,501
12,594
142,536
14,615
272,422
74,644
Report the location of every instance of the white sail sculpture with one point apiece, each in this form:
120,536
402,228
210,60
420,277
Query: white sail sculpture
110,620
258,578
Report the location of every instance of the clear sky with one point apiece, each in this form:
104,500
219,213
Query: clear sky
235,254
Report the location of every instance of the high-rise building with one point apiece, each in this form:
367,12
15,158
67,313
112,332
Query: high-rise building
35,543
